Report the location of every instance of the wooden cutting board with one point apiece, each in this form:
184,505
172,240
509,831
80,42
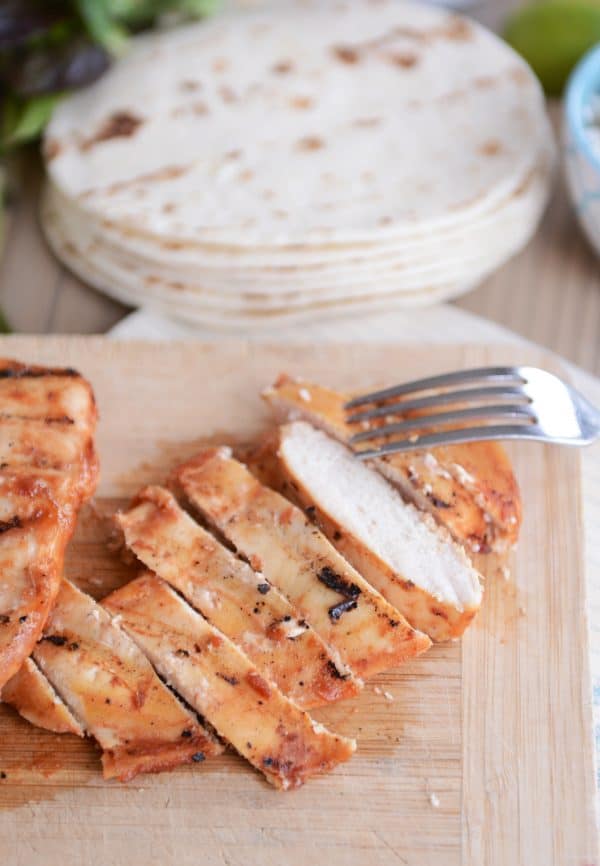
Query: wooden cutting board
481,752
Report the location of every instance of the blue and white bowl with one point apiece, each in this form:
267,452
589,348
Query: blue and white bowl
581,132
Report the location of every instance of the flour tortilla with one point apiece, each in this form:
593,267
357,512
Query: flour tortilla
346,123
433,246
308,259
259,321
195,302
459,258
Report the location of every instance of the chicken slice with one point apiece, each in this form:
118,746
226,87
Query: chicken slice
222,684
412,562
113,692
367,632
237,600
48,466
470,488
30,693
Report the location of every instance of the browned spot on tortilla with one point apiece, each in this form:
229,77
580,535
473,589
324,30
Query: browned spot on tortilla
200,107
437,611
404,59
490,147
283,67
302,102
189,85
367,121
385,221
311,142
484,82
246,175
68,247
177,285
452,95
150,280
52,148
120,124
233,154
227,94
169,207
280,214
458,29
220,64
519,75
367,175
346,54
169,172
267,194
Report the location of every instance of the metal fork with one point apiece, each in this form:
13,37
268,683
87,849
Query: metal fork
537,404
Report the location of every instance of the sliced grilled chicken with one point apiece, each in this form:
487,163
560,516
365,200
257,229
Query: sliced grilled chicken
470,489
31,694
411,561
222,684
237,600
48,466
114,693
367,632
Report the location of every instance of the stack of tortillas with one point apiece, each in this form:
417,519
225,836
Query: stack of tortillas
307,159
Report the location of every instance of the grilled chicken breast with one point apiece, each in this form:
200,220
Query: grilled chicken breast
367,632
237,600
413,563
222,684
48,466
470,489
31,694
113,692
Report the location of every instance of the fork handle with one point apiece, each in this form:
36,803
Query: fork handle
589,417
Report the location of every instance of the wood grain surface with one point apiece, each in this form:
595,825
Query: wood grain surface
483,757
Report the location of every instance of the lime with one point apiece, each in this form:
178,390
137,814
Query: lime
552,36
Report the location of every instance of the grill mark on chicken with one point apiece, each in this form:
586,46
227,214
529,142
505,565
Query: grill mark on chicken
18,371
336,582
13,523
336,611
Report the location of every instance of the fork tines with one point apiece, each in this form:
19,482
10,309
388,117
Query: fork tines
501,400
